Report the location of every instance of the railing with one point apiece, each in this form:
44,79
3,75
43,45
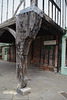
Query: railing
10,8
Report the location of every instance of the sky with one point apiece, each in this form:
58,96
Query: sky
16,2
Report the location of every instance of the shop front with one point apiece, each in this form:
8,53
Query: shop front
7,52
64,54
44,52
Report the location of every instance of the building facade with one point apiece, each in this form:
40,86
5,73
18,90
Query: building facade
37,29
7,52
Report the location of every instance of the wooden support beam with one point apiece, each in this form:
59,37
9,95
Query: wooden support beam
51,26
27,27
8,22
30,2
52,10
11,31
18,7
43,5
13,8
60,13
7,10
63,19
48,8
56,54
65,14
24,4
59,53
34,2
52,1
55,14
1,11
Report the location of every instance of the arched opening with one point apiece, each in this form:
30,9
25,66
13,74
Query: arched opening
7,46
7,59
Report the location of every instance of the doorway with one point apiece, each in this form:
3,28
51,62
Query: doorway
5,53
48,57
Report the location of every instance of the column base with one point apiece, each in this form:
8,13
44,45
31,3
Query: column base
55,70
24,91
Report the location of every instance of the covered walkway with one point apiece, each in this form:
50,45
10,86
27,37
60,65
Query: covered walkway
45,85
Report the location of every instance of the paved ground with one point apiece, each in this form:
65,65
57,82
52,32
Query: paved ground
44,85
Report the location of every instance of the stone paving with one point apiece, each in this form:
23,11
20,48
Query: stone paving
45,85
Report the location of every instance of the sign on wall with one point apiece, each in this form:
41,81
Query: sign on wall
52,42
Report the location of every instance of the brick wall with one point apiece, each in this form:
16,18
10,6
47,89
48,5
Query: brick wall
34,52
2,52
40,55
13,53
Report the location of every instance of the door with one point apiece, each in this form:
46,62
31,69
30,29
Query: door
5,54
48,56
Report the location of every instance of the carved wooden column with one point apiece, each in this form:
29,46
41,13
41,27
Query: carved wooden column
34,2
27,27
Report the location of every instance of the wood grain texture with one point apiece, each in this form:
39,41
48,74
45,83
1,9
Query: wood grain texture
27,27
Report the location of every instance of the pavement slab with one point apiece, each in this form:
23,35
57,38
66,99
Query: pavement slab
45,85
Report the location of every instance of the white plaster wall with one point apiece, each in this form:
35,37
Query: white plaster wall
40,4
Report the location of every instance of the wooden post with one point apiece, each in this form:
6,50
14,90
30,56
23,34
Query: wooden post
34,2
66,14
59,53
56,54
55,14
13,8
43,5
30,2
27,27
52,10
48,8
24,4
7,10
60,13
63,14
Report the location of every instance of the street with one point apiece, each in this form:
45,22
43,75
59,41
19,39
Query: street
45,85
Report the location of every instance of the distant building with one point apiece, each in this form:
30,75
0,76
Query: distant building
7,52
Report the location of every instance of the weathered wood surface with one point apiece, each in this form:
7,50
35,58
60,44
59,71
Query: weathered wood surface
8,23
53,9
46,19
27,27
51,26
